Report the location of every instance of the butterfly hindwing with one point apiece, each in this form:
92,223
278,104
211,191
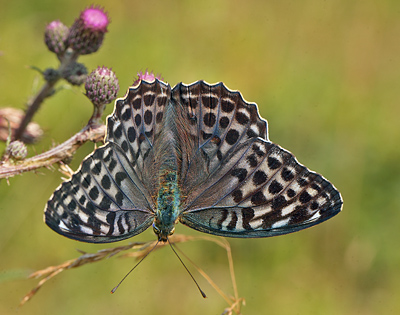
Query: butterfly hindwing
268,194
104,201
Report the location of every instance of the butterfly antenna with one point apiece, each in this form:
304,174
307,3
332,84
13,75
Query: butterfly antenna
201,291
116,287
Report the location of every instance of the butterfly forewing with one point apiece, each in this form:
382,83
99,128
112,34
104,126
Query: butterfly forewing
136,124
218,121
103,201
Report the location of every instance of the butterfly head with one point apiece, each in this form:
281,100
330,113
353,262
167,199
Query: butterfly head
163,231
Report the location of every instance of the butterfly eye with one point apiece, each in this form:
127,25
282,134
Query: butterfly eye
156,230
171,232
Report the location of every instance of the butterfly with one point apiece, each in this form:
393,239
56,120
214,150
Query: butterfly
197,154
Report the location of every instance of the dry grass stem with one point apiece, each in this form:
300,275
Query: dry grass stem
142,249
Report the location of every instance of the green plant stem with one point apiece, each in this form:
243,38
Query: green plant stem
33,105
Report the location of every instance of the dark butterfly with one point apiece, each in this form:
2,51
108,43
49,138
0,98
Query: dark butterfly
198,154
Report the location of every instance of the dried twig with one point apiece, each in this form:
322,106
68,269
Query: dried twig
63,151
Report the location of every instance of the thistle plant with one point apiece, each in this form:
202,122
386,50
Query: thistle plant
84,37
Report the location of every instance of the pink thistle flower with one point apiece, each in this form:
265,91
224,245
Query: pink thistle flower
87,33
147,76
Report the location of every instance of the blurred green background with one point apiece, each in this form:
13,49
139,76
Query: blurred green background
325,74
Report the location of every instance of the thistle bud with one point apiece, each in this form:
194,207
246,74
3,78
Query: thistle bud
101,86
147,76
17,150
51,75
75,73
55,35
87,33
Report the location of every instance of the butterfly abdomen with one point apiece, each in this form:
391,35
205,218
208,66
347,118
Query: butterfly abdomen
168,201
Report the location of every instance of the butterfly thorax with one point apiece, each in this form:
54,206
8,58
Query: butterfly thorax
167,210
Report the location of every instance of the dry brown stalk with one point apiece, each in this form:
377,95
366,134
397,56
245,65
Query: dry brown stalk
95,133
142,248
